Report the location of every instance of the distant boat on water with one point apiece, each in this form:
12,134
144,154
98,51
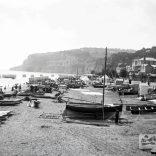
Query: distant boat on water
12,76
24,75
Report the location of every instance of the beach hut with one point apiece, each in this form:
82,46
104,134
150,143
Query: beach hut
54,77
107,79
119,81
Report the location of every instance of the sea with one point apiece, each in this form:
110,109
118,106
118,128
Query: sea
21,77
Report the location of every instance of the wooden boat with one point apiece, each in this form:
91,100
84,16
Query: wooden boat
128,93
143,109
10,102
8,94
141,106
98,86
4,113
91,110
24,94
30,94
74,85
153,101
144,106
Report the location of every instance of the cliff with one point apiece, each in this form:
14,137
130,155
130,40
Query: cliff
84,60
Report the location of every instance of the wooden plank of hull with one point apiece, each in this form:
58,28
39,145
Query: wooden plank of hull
7,95
91,111
24,94
9,104
92,108
4,113
98,86
127,93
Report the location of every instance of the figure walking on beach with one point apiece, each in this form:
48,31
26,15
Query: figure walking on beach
15,93
29,101
12,89
19,87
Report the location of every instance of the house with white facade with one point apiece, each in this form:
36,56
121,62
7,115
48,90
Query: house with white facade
144,65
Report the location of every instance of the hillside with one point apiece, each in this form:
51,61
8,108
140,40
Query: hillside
84,60
127,57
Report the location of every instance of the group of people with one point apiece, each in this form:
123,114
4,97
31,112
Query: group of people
16,87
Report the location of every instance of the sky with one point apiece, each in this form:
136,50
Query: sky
39,26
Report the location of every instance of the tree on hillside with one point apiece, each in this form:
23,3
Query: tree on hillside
93,72
143,77
109,72
123,73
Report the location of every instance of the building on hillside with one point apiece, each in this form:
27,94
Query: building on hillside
128,68
144,65
147,68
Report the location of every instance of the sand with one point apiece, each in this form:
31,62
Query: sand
28,132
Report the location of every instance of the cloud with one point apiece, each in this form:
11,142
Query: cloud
31,26
20,38
31,4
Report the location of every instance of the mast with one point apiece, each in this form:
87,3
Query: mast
105,63
77,73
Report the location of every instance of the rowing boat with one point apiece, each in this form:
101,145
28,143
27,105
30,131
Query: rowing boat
92,110
10,102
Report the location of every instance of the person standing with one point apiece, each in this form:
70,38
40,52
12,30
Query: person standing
117,117
29,102
19,87
15,92
12,89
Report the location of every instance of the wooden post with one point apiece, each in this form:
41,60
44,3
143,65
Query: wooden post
77,73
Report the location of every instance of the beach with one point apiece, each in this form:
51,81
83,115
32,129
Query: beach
44,131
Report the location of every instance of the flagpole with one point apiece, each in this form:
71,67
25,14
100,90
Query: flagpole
105,63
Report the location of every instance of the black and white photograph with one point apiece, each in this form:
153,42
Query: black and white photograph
77,77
